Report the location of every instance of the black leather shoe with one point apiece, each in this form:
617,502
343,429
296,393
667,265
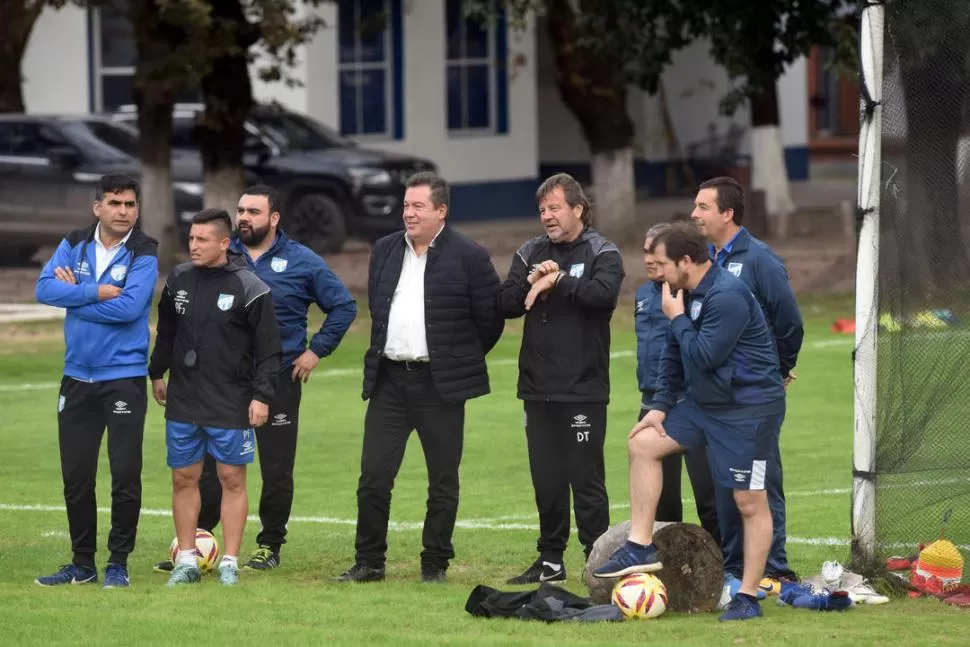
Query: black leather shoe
362,573
433,574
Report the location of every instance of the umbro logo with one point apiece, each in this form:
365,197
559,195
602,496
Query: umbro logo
121,407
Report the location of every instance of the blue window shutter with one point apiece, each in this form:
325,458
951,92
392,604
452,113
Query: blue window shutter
501,71
397,67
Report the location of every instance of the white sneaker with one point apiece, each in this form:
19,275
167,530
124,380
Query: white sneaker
832,574
862,593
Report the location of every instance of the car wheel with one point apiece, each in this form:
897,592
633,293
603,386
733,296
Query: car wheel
16,256
318,221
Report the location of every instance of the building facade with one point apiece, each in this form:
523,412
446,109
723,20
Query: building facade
417,77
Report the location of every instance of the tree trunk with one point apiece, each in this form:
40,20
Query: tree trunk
938,257
17,20
157,197
595,92
768,172
228,96
692,569
613,191
155,90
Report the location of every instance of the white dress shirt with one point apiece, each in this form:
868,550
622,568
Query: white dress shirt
104,255
407,339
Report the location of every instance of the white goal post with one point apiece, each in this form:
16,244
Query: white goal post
867,283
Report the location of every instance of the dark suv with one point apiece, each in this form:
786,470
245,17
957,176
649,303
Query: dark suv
331,188
48,168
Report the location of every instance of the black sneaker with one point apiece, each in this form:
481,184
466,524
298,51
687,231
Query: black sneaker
263,559
166,566
362,573
433,574
540,572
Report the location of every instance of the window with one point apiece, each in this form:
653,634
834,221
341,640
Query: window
30,139
371,68
476,73
112,55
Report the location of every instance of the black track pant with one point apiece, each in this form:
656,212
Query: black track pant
85,409
276,443
565,443
406,399
670,506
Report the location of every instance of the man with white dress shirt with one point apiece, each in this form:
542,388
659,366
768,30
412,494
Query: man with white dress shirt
432,298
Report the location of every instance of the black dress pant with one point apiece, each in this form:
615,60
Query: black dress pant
276,444
403,400
670,507
84,410
565,442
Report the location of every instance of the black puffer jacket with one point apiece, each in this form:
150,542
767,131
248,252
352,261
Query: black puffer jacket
565,354
461,320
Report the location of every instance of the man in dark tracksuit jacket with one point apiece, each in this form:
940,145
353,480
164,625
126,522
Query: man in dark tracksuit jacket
217,335
104,276
719,211
566,283
721,350
297,277
651,326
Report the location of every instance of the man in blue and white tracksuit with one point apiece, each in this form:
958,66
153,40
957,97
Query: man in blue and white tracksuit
297,278
104,276
652,327
719,212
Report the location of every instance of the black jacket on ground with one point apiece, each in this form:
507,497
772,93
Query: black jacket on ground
565,353
548,602
460,319
226,315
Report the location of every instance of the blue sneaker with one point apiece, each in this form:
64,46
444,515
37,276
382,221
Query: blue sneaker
183,574
629,559
116,576
741,608
69,574
803,596
731,587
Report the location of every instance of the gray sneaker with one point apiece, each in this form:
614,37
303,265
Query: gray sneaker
228,574
183,574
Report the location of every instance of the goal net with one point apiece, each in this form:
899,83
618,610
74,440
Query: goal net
911,462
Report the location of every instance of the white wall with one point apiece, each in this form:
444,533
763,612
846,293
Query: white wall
55,65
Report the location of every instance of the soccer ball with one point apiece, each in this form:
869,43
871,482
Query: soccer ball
640,595
206,549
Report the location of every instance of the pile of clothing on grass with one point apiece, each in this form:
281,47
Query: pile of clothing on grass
935,569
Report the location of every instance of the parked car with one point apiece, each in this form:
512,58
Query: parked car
48,168
330,187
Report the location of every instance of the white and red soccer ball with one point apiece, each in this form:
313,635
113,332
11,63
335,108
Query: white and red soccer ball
640,596
206,549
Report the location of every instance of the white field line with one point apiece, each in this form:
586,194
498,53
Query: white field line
345,372
401,526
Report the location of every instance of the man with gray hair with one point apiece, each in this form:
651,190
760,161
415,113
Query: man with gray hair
651,326
566,284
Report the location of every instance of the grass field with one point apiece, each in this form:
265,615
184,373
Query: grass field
495,538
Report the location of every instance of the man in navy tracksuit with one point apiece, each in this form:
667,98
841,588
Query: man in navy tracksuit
721,354
719,211
297,278
652,327
104,276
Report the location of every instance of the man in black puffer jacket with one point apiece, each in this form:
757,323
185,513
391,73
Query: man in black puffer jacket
432,297
566,283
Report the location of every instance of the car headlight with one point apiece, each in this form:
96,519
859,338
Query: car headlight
365,176
192,188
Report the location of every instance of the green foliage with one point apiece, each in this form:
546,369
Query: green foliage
756,41
753,41
186,38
